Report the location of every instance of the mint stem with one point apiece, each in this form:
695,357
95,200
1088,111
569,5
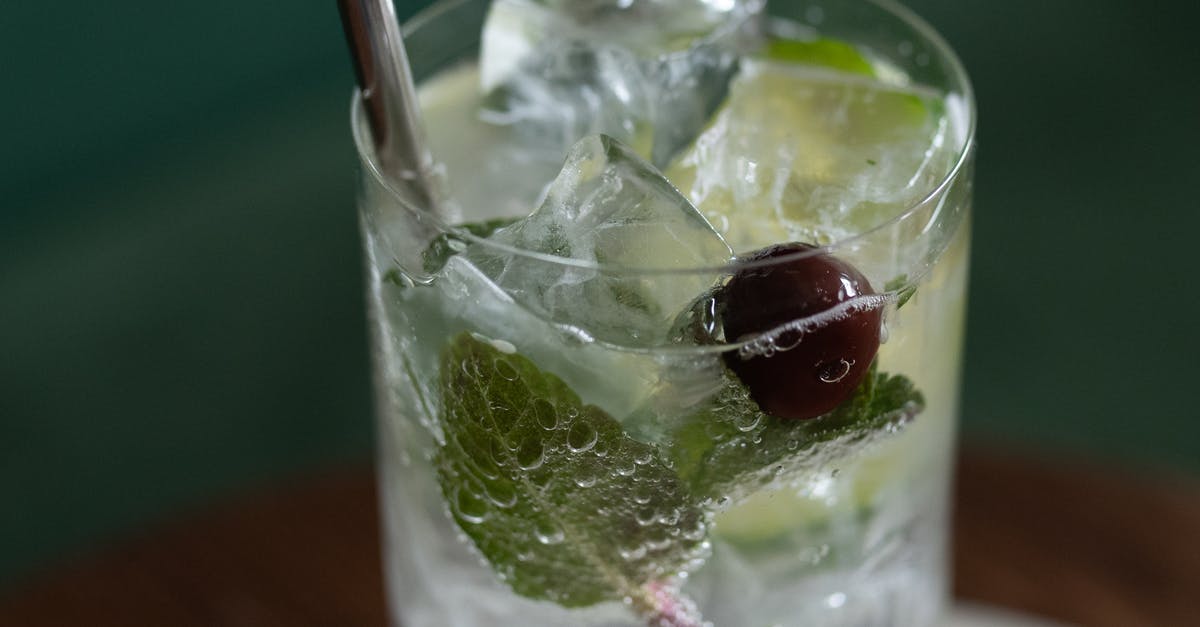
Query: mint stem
663,605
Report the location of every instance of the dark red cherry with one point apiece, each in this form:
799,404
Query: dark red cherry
811,370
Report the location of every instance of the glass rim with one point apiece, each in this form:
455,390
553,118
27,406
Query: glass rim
958,74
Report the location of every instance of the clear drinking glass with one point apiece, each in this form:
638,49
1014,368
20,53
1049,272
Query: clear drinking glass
549,458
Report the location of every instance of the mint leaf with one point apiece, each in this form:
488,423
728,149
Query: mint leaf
564,505
449,244
903,290
628,296
733,449
395,277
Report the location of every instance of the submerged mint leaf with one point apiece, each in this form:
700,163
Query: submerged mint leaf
904,291
627,296
395,277
449,244
564,505
732,448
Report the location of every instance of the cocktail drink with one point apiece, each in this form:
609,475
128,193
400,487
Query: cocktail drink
679,341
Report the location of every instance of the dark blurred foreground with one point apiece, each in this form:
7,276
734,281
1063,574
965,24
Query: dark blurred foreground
1098,549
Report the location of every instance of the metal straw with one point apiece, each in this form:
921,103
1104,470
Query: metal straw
388,95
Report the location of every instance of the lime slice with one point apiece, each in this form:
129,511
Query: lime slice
809,153
823,52
768,514
857,491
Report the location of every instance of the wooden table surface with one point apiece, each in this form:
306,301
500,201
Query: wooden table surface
1070,543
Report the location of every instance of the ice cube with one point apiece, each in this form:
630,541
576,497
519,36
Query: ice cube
616,381
573,90
616,224
812,154
646,72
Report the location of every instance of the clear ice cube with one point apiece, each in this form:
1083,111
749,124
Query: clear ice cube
811,154
469,300
576,90
648,73
608,212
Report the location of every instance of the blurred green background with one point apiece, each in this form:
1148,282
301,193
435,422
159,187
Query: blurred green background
180,308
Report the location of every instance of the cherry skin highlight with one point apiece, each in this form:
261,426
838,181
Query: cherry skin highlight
813,370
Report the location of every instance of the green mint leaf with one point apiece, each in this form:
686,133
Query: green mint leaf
449,244
395,277
628,296
564,505
904,291
732,449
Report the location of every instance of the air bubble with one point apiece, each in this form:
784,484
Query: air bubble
531,455
505,370
498,454
630,554
834,371
645,515
659,544
548,532
581,437
483,468
501,494
469,507
585,480
747,421
544,413
787,340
